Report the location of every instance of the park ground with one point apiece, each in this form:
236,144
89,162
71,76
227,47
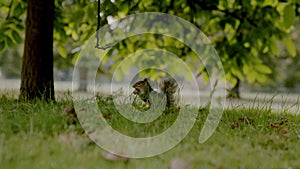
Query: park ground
280,102
45,135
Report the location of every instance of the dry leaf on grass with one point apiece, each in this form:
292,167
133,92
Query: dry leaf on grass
70,114
281,126
278,124
178,163
283,132
113,157
107,116
241,120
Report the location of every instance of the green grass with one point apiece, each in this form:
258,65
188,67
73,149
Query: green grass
38,135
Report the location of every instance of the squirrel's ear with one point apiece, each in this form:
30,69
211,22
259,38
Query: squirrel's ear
145,80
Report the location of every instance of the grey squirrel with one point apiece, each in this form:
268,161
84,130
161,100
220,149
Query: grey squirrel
168,87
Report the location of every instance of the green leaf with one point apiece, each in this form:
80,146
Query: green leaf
9,42
20,27
75,57
201,69
237,72
206,77
2,46
16,36
18,11
274,47
232,80
246,68
263,69
290,46
2,38
261,78
62,34
62,51
75,35
4,9
251,76
289,15
254,51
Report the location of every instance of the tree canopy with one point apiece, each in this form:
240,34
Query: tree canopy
243,32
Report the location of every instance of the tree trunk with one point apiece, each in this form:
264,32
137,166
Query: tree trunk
235,91
37,68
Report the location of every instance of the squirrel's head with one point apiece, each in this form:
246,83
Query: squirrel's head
140,86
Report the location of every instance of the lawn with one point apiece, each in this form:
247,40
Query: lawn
41,135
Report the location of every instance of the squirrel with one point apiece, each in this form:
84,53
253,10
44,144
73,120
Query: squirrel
168,87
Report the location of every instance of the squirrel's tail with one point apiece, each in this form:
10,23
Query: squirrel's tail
169,87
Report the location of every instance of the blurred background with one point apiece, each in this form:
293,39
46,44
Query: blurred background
257,41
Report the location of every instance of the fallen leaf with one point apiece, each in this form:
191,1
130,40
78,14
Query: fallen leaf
106,116
113,157
283,121
178,163
278,124
274,126
281,127
70,114
242,120
283,132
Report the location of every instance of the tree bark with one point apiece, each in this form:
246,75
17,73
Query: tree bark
37,68
235,91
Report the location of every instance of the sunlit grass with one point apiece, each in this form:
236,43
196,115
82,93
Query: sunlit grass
38,135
